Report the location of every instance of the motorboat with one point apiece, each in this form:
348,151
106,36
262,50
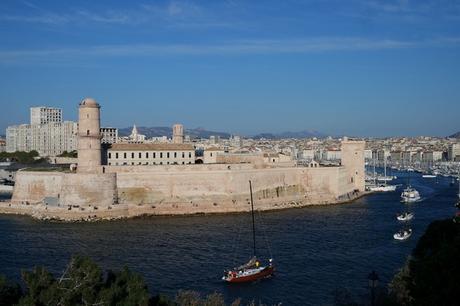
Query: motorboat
406,216
410,195
429,176
403,234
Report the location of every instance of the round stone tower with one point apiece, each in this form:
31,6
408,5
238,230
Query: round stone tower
178,133
89,136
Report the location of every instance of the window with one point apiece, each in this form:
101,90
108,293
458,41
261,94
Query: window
167,155
87,132
116,155
147,155
140,155
211,154
132,155
154,155
183,163
189,154
161,163
124,155
161,154
183,154
110,155
175,154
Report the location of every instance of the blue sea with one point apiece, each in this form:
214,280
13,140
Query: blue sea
317,250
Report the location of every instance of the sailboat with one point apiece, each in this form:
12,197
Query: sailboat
252,270
382,187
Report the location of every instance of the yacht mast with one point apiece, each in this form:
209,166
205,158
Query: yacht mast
253,223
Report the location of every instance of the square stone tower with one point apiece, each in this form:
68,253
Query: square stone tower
89,136
353,161
178,133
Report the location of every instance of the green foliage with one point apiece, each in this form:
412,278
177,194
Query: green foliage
73,154
83,283
21,157
9,292
432,274
125,288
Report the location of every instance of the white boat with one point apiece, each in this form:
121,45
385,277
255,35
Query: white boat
6,189
382,188
405,216
410,195
403,234
429,176
386,178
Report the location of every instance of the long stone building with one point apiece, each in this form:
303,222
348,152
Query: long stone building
124,190
124,154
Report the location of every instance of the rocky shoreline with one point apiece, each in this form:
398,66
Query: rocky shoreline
125,211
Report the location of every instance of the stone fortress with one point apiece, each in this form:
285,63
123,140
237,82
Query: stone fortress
91,190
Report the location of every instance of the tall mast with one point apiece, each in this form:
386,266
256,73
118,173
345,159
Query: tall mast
375,175
385,167
253,223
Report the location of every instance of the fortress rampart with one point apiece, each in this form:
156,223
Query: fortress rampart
97,191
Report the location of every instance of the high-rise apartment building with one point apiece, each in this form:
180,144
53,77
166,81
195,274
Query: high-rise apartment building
45,115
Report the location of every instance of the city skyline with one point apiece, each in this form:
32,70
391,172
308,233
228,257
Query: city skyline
364,68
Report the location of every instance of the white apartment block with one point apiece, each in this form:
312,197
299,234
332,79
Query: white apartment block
45,115
132,154
47,139
109,135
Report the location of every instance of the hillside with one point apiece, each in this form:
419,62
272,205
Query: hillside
167,131
283,135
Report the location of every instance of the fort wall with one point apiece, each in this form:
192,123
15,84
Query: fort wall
132,191
63,189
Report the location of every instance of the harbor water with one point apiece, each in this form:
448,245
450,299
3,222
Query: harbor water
317,250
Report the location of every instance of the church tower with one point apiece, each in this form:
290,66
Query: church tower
89,136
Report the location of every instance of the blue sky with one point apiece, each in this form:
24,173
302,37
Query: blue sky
365,68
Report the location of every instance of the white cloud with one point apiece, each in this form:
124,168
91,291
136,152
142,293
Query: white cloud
241,47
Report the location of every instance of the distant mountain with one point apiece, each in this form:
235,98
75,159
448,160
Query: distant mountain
456,135
167,131
298,135
203,133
